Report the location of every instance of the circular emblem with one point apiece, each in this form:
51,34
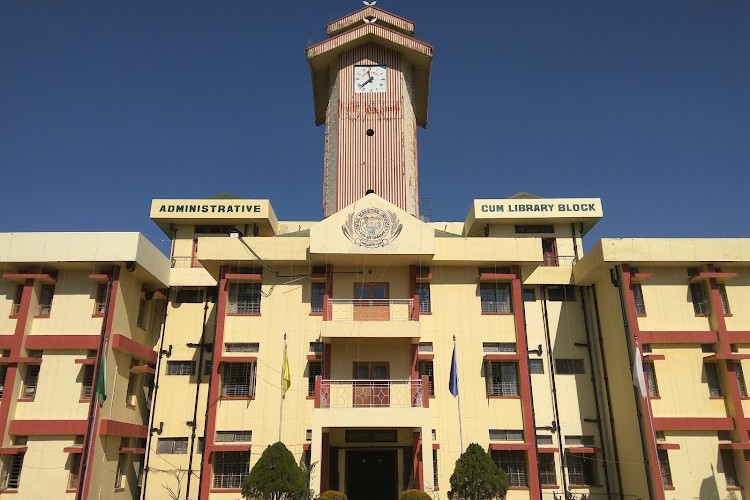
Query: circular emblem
372,227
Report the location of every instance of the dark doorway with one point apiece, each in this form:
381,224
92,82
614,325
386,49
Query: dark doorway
371,475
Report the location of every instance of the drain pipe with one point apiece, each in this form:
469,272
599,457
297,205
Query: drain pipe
202,346
617,282
595,387
607,390
555,408
151,428
208,393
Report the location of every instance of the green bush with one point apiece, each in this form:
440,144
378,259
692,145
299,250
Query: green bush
333,495
414,495
476,477
275,476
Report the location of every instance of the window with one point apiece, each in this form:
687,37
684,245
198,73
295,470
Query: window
234,436
16,307
724,435
3,372
46,294
724,299
317,291
230,469
317,347
244,298
547,475
212,229
100,303
238,380
188,296
75,469
495,297
423,290
201,445
208,366
502,378
180,367
506,435
434,469
529,295
698,295
706,348
172,446
543,440
314,369
499,346
574,440
10,475
534,229
30,381
536,366
87,381
142,311
569,366
712,378
740,380
426,368
664,469
581,468
727,463
653,388
513,463
120,471
241,347
563,293
371,436
425,347
640,305
549,252
130,399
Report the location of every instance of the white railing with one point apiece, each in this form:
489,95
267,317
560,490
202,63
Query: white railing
559,260
371,309
371,394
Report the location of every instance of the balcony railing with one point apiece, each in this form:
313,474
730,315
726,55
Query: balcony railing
370,310
371,393
185,262
559,260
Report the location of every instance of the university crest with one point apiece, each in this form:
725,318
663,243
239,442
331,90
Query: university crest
372,227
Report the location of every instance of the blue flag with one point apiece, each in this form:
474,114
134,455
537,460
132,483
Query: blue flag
453,384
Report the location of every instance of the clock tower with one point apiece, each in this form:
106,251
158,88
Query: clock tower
371,81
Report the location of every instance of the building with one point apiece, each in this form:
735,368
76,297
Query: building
614,374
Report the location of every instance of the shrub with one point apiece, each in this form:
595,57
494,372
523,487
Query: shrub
476,477
275,476
333,495
414,495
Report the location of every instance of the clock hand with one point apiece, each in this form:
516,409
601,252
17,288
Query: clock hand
366,82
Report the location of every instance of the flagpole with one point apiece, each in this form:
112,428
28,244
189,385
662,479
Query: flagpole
458,400
283,388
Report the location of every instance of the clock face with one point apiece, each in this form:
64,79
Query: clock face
369,79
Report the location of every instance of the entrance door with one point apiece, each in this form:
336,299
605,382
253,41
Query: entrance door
371,384
549,251
371,475
371,302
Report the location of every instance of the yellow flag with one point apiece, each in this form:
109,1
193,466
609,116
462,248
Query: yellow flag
287,378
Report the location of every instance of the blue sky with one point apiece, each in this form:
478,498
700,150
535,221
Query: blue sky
646,104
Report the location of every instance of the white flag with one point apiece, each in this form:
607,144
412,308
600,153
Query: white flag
639,378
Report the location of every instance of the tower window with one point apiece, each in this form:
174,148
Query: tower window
370,132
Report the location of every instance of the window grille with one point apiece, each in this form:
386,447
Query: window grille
727,463
653,387
579,440
244,298
314,369
46,294
11,471
87,382
180,367
506,435
234,436
502,379
75,465
712,378
724,299
31,381
230,469
536,366
425,347
495,297
547,474
529,295
513,463
172,446
543,440
241,347
740,380
698,296
423,290
3,373
434,468
499,346
640,305
581,468
101,300
238,380
317,347
317,292
664,468
569,366
426,368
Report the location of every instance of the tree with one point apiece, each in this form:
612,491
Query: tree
275,476
225,195
476,477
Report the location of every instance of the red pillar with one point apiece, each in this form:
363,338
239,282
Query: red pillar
325,461
417,466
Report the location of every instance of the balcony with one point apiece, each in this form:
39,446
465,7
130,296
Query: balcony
371,394
559,260
371,318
